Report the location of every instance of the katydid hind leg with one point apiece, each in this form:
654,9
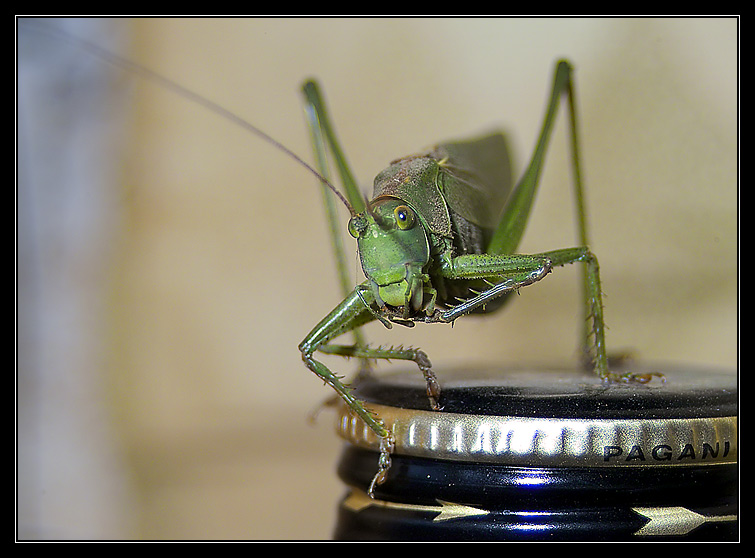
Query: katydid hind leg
320,132
516,212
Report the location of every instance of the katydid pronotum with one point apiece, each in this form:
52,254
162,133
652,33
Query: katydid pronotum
436,242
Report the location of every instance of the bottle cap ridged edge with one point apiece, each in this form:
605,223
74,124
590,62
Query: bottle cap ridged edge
550,442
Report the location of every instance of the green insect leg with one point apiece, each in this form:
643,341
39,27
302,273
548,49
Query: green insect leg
320,129
596,353
352,312
507,273
394,353
516,213
504,274
317,116
349,314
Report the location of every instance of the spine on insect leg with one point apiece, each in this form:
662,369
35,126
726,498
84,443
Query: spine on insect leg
596,352
502,274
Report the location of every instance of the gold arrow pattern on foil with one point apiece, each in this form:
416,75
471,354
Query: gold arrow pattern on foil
675,520
358,500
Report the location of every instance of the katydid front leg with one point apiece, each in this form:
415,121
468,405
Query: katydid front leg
354,311
513,271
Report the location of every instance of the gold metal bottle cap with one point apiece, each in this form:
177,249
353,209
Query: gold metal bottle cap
556,418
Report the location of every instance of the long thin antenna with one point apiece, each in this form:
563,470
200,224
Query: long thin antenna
146,73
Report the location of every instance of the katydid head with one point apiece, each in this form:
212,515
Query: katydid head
393,249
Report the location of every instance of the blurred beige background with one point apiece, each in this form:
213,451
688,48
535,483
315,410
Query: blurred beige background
170,263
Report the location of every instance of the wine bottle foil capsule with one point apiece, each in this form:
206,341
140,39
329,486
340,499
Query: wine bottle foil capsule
543,454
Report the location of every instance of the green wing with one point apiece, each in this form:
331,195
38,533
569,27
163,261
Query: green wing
476,177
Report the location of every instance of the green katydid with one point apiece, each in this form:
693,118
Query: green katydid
437,241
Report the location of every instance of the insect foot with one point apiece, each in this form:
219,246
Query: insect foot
423,363
630,377
433,387
425,366
387,444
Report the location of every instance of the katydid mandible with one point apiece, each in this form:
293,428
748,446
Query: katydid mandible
437,241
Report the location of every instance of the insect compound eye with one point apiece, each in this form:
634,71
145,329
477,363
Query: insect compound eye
405,218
